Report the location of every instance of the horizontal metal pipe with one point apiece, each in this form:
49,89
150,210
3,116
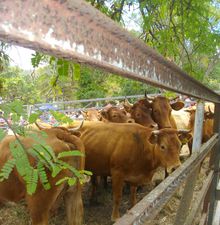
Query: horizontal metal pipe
74,30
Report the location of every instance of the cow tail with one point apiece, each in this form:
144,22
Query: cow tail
73,196
74,205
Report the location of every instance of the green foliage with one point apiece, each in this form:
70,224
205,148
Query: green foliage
4,58
37,59
61,117
70,153
22,84
7,169
33,117
94,83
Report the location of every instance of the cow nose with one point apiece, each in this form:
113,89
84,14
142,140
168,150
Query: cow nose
174,167
154,126
130,121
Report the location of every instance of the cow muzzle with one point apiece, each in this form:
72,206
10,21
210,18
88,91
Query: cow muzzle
130,121
172,168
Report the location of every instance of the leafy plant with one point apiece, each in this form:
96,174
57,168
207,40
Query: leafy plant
45,158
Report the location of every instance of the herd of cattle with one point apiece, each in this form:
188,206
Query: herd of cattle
126,143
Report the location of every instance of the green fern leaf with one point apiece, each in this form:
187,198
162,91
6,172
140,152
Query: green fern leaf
86,172
55,170
70,153
71,181
31,179
62,180
7,169
43,176
69,167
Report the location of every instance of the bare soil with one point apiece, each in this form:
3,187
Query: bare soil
16,214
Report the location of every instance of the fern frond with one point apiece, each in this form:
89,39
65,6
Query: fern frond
20,156
7,169
70,153
56,169
31,179
71,168
62,180
43,176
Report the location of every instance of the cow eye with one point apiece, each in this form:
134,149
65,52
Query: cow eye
138,115
162,147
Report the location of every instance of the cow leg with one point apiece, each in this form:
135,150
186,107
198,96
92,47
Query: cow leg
93,197
105,182
117,186
40,204
190,147
133,196
166,173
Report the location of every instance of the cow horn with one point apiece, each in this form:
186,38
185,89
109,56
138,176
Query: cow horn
210,111
150,97
127,103
40,126
183,131
77,128
156,132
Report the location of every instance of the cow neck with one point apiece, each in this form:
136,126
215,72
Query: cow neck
156,157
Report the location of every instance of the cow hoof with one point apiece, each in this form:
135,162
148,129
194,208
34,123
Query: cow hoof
157,182
114,218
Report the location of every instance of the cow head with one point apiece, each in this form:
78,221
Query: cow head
116,115
141,114
161,111
167,144
208,121
91,115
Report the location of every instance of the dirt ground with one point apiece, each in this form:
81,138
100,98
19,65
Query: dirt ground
16,214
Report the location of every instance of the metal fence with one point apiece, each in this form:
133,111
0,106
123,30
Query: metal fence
74,30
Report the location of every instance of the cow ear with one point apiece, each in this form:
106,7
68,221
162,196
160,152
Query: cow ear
177,105
127,105
153,139
127,108
84,113
184,137
104,114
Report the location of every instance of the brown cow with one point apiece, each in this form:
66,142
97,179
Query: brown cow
162,111
115,115
161,108
129,153
41,202
92,115
141,114
207,129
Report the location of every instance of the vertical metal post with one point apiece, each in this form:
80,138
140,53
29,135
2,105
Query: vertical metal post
215,159
183,209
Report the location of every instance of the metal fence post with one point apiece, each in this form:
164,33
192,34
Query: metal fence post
183,209
215,159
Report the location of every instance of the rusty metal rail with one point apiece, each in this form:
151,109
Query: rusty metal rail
150,205
73,29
